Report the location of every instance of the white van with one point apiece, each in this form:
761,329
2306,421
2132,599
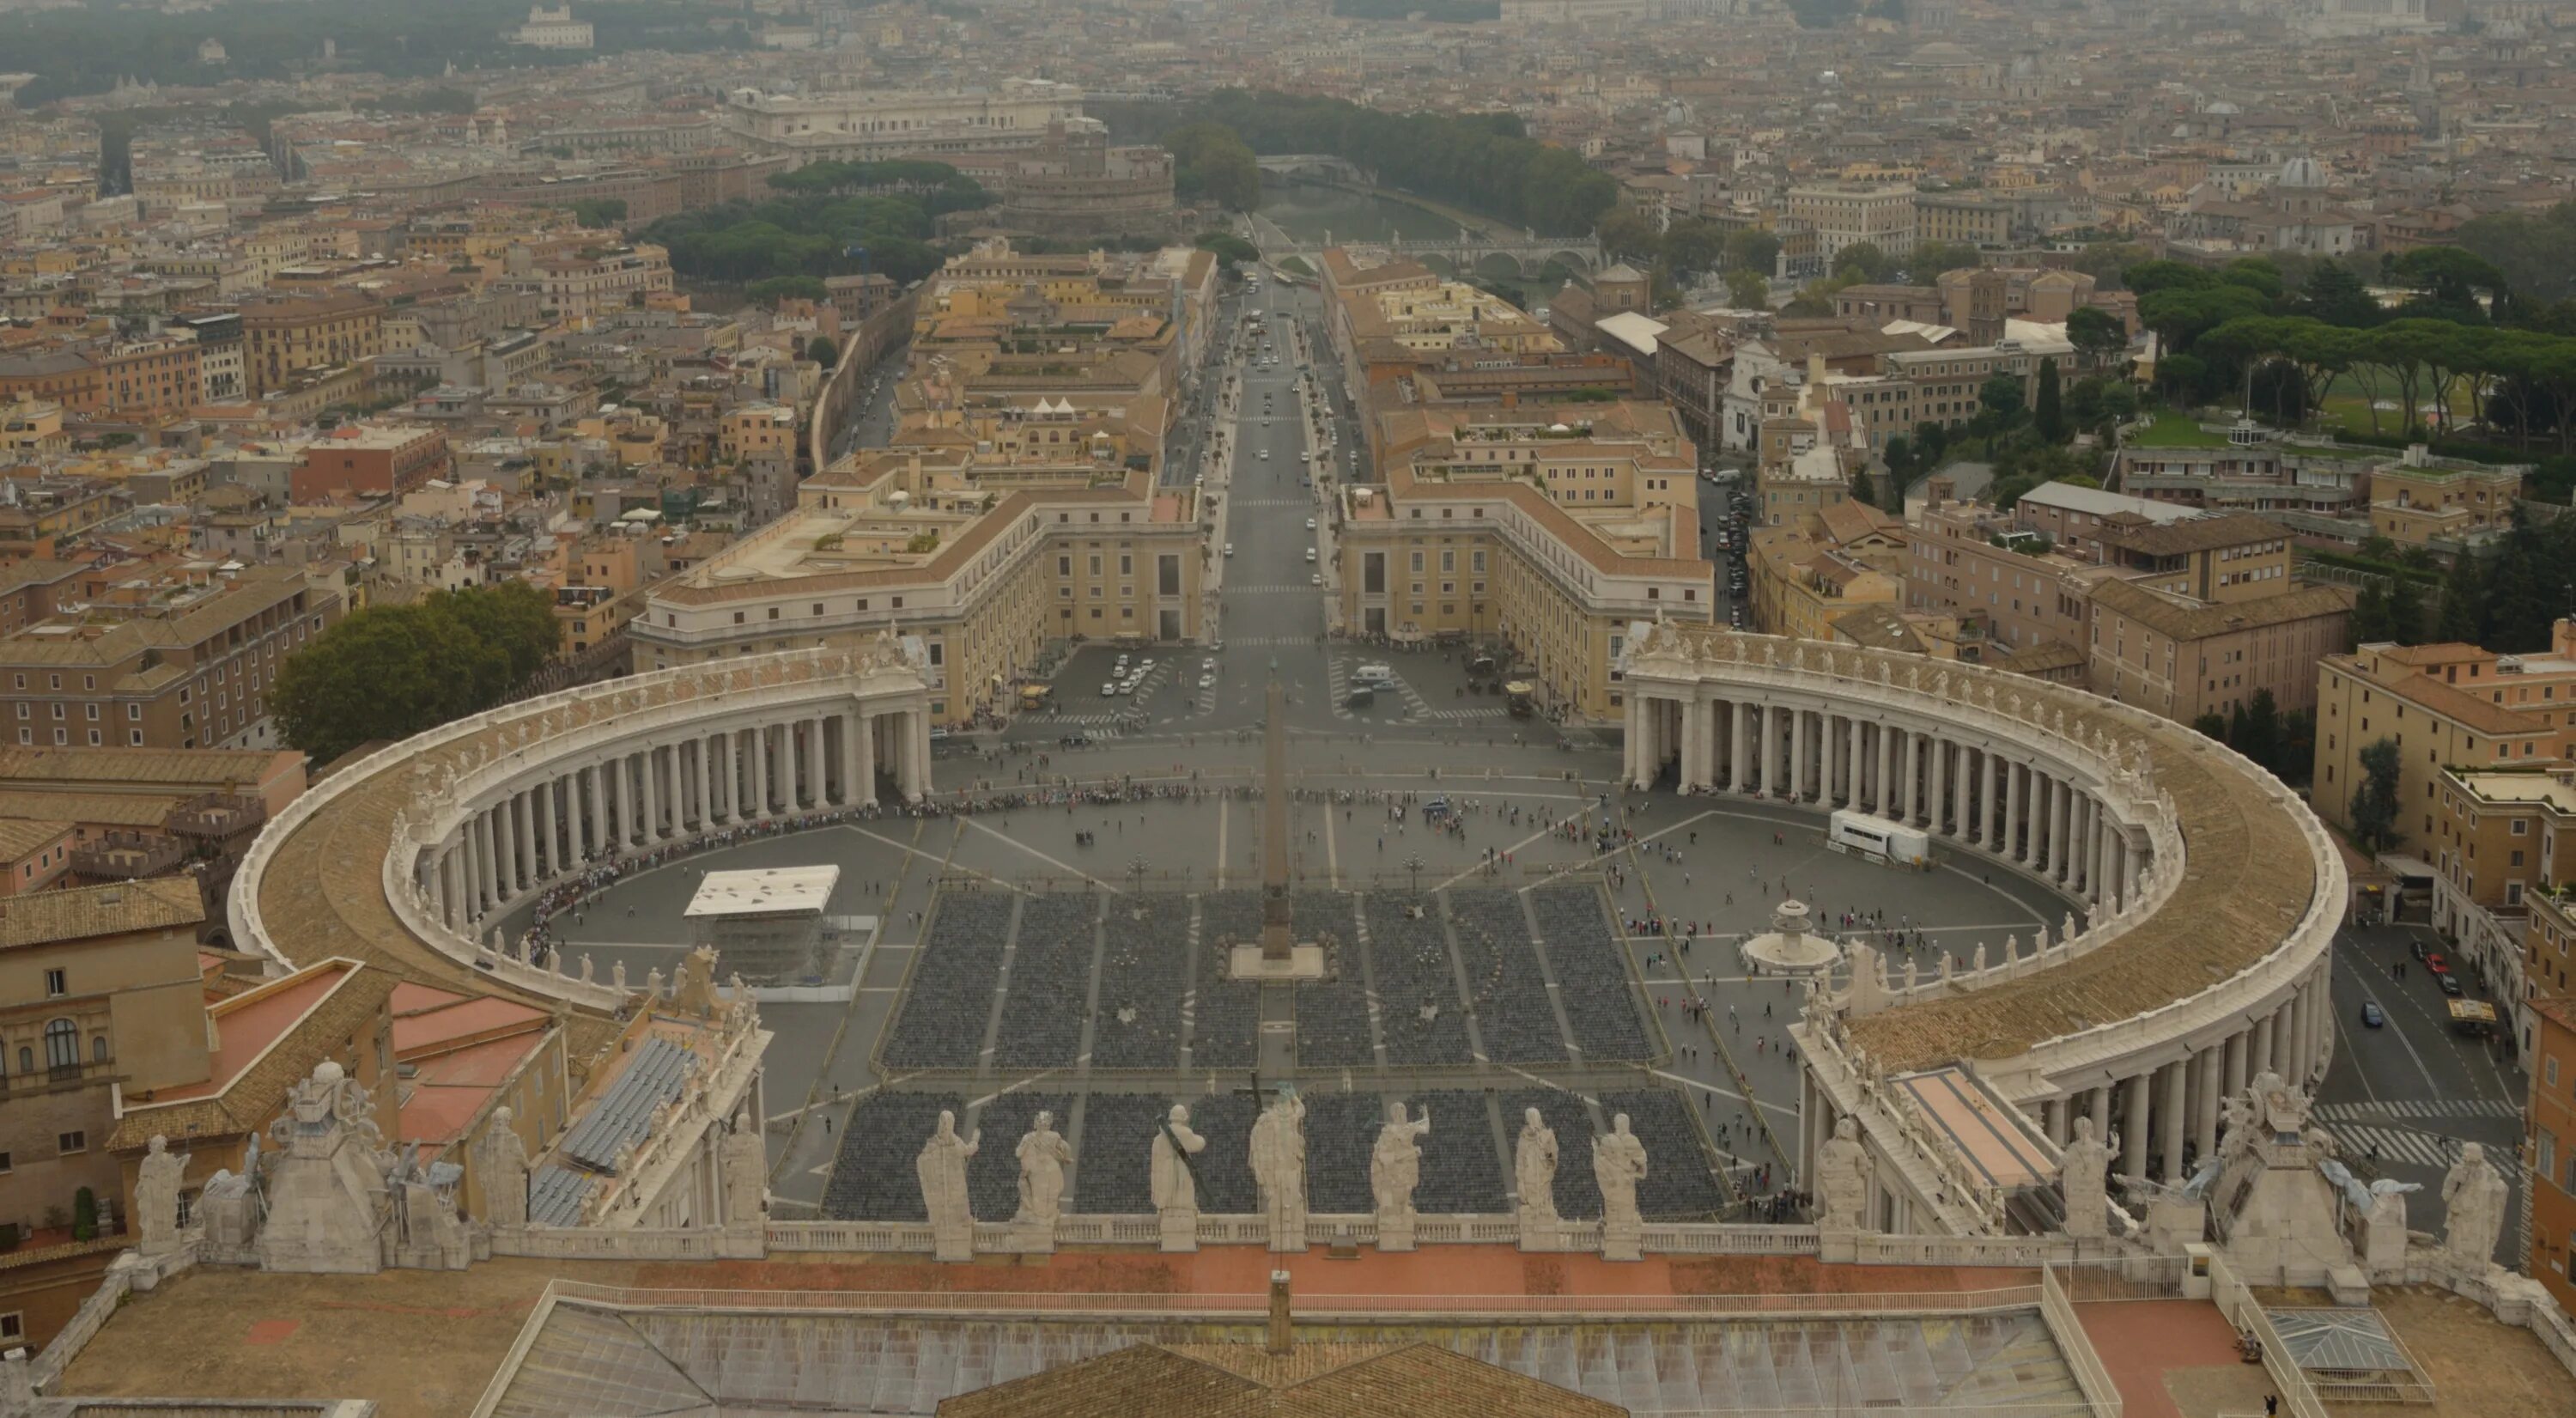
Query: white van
1310,553
1373,675
1229,548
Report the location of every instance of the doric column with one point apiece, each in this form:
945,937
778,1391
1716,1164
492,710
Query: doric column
760,772
681,781
594,817
794,754
546,826
1686,769
917,752
1798,755
2015,783
2056,863
1993,804
867,757
649,768
523,807
2098,1102
2259,1054
2169,1121
1739,764
1941,750
2133,1132
1851,751
487,851
1883,801
2232,1076
2204,1103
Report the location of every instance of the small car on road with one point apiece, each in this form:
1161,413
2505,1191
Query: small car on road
2371,1015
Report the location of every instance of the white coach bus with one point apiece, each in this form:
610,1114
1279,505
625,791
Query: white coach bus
1877,837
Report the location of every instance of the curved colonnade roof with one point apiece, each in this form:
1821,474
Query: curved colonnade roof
321,892
2249,871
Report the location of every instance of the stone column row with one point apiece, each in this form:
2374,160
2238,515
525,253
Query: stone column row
2029,813
650,792
2169,1114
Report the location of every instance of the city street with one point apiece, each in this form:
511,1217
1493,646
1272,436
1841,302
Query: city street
2403,1097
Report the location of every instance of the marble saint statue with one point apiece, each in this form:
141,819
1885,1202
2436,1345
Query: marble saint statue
2081,1170
157,1182
2473,1195
1534,1172
1395,1163
1175,1189
1043,1153
942,1166
1842,1176
1618,1164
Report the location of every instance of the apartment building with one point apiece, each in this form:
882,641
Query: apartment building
1845,213
2443,707
178,658
1807,577
2549,1151
2444,505
99,998
2183,657
282,339
1552,529
988,571
873,123
369,460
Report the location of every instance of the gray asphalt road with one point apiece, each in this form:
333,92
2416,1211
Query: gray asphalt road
2401,1098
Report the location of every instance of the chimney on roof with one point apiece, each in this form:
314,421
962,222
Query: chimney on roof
1279,1341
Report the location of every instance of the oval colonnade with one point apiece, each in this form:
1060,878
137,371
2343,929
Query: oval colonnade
2213,892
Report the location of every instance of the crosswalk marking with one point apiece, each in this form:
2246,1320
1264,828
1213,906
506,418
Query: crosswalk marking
2420,1108
2397,1145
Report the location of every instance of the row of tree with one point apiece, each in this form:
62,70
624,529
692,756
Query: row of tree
1212,163
389,672
814,235
2285,744
1485,162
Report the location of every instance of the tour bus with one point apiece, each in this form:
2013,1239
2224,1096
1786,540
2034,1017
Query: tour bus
2474,1018
1852,831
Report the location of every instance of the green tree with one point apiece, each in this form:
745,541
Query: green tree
822,351
1228,247
1211,161
2336,296
2406,611
2464,596
2001,395
2374,806
2048,410
389,672
2211,725
1932,259
2260,738
1747,290
600,211
1863,261
1752,249
2096,334
2369,622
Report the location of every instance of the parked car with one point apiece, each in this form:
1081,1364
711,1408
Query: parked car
2370,1014
2437,964
2450,985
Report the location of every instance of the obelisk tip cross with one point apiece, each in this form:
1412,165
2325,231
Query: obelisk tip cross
1277,937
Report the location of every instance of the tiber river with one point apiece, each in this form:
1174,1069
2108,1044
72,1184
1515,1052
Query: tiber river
1315,215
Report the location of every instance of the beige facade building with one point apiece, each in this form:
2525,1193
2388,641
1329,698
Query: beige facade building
1555,530
184,662
1846,213
861,124
99,991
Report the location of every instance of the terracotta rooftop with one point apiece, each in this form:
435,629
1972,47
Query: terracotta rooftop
86,912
